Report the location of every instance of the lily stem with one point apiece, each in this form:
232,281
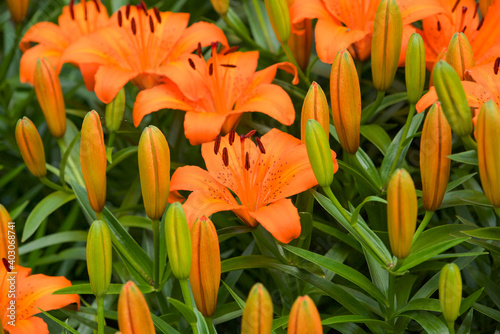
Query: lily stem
403,138
469,143
290,57
391,294
52,185
156,260
100,314
210,325
187,299
423,224
370,111
76,173
451,327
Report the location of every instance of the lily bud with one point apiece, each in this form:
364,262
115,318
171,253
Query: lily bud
99,257
114,111
318,151
450,291
315,107
8,249
93,160
415,68
178,241
460,55
401,212
484,5
346,101
304,317
154,170
220,6
133,311
488,151
50,97
205,266
300,42
434,162
18,9
452,97
31,147
386,43
280,18
258,313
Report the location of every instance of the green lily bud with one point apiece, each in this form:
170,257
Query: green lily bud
450,291
178,241
460,55
280,19
386,43
258,313
115,110
415,68
99,259
451,94
318,151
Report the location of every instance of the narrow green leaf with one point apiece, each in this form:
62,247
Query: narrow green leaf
428,321
453,184
464,197
53,239
487,233
11,175
186,312
467,157
466,324
85,289
59,322
355,214
470,300
377,136
241,303
421,304
163,326
120,156
487,311
353,319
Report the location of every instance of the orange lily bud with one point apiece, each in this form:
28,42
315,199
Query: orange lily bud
220,6
31,147
178,241
258,313
488,151
451,94
99,257
8,234
154,170
401,212
484,5
114,111
304,317
450,291
460,55
434,162
205,266
346,101
18,9
300,43
280,18
415,68
315,107
318,152
93,160
50,97
386,43
133,311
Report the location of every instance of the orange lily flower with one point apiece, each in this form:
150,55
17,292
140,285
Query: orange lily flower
215,93
462,16
345,24
21,295
136,46
74,22
261,175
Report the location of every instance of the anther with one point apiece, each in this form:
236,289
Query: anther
463,30
475,10
232,134
217,144
151,25
211,69
225,157
231,50
157,14
85,9
127,12
144,8
191,63
214,48
198,50
455,6
97,7
439,26
72,9
251,133
120,19
6,264
260,145
480,24
496,66
247,161
228,65
132,25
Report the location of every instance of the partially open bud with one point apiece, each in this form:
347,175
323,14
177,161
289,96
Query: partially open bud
133,311
178,241
280,18
304,317
99,257
205,266
31,147
220,6
452,97
318,151
401,212
93,160
300,42
450,291
346,101
258,313
460,55
315,107
50,97
154,170
386,43
8,236
114,111
415,68
18,9
435,146
488,151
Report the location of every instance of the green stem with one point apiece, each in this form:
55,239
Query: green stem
391,293
423,224
337,204
76,173
370,111
162,301
156,260
497,211
469,143
187,299
111,139
52,185
262,24
100,315
100,216
290,57
451,327
210,325
7,60
403,138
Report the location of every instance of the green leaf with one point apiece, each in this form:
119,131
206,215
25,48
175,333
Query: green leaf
355,214
364,166
163,326
466,324
487,311
470,300
345,238
464,197
421,304
428,321
87,322
247,262
120,156
467,157
43,209
64,160
377,136
487,233
353,319
186,312
11,175
352,171
59,322
109,154
231,231
453,184
241,303
53,239
85,289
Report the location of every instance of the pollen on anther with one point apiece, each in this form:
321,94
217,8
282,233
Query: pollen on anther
6,264
231,50
475,10
120,19
217,144
247,161
480,24
455,6
439,26
198,50
228,65
211,69
97,7
260,145
127,11
191,63
132,25
151,25
85,9
144,8
72,9
157,14
496,67
232,134
463,30
225,157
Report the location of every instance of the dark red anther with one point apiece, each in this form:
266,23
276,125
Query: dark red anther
225,157
232,134
475,10
97,7
251,133
85,9
247,161
120,19
151,25
228,65
463,30
6,264
211,69
157,14
217,144
439,26
260,145
72,9
496,66
455,6
214,46
464,10
144,8
132,25
231,50
127,12
191,63
198,50
480,24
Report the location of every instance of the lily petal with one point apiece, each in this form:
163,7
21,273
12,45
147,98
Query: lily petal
412,11
30,57
202,127
28,326
489,34
109,80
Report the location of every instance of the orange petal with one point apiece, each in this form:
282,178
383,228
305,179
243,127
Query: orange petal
311,9
489,34
45,33
28,326
412,11
427,100
30,57
109,80
281,219
202,127
408,30
88,73
486,77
